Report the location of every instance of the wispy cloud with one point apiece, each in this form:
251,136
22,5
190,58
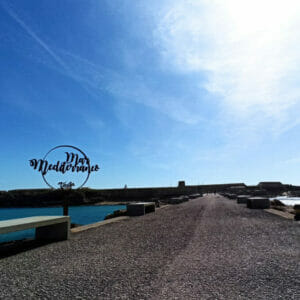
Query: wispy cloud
94,78
34,36
248,50
63,67
135,89
131,88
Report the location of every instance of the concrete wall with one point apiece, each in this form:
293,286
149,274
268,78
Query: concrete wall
136,193
47,197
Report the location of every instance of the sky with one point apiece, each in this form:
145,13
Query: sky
154,92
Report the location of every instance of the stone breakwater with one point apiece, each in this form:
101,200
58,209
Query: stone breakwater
84,196
206,248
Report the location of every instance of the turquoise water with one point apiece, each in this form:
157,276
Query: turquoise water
79,214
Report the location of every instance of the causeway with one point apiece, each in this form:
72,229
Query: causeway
206,248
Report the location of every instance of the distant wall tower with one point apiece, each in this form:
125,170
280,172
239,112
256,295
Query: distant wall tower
181,184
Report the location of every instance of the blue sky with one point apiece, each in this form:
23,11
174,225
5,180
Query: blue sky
153,91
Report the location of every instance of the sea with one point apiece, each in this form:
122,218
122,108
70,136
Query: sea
290,201
82,215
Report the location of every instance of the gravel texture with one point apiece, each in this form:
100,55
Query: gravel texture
207,248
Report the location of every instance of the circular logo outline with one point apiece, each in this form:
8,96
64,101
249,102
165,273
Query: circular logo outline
73,147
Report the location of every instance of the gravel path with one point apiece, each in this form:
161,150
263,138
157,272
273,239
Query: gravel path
207,248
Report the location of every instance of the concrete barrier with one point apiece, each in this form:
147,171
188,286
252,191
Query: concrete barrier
194,196
46,227
297,212
231,196
242,199
258,203
140,208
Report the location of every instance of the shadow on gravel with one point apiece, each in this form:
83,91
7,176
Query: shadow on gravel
15,247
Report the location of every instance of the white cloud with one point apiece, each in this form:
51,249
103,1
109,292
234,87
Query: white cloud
249,51
129,88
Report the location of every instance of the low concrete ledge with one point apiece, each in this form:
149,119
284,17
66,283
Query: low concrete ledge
98,224
258,203
230,196
46,227
105,222
140,208
297,212
280,213
242,199
194,196
56,232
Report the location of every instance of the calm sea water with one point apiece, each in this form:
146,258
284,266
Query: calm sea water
79,214
288,200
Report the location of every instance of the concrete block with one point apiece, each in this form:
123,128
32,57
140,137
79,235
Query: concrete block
297,212
242,199
140,208
194,196
258,203
47,227
149,207
56,232
135,209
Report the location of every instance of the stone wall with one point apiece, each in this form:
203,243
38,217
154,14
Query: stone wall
84,196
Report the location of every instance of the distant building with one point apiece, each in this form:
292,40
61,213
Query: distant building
270,184
181,184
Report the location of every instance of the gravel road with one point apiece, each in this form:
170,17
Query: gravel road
207,248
